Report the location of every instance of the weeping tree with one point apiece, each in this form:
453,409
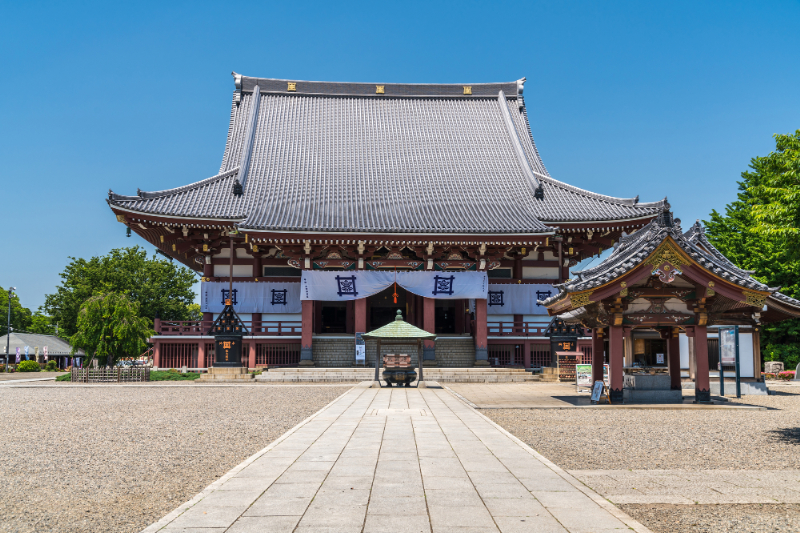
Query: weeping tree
109,328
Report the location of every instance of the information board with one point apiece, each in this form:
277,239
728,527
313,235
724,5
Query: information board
361,350
597,391
583,375
727,346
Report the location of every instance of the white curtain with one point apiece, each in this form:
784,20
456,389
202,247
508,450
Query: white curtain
251,297
356,284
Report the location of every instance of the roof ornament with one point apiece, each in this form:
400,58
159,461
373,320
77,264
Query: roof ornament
538,193
237,81
237,188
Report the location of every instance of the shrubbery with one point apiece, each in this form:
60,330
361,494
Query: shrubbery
51,366
28,366
788,353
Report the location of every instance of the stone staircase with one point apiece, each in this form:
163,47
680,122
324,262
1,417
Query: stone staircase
443,375
225,375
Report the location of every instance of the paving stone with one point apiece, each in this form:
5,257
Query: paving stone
432,467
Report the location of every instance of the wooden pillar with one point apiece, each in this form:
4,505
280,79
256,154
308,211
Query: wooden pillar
307,331
157,354
526,355
702,387
481,333
252,354
256,325
201,353
360,318
598,346
429,321
674,361
615,363
560,262
757,355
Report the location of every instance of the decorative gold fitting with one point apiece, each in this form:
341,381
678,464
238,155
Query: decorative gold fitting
121,218
162,238
255,247
173,248
246,237
570,251
467,89
292,86
227,301
205,247
379,89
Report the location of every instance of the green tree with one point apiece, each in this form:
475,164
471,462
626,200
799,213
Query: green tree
156,285
743,237
41,323
20,316
776,188
110,328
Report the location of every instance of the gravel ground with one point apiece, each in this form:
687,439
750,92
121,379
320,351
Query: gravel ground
583,439
578,439
117,458
749,518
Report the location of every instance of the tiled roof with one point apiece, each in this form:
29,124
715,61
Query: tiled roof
633,249
55,345
415,159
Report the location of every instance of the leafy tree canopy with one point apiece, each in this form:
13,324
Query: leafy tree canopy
776,188
743,236
20,316
155,285
109,328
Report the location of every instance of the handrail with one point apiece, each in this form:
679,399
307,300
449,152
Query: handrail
265,328
516,329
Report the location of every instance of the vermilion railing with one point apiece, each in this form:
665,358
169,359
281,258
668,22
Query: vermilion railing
202,327
516,329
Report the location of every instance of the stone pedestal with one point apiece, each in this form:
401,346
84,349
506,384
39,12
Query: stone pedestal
228,374
650,388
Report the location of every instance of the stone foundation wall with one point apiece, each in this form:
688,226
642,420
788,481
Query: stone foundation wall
450,352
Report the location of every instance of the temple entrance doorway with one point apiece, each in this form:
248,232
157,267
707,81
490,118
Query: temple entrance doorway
446,316
333,317
383,309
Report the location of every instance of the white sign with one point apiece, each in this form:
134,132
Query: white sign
597,391
583,375
659,358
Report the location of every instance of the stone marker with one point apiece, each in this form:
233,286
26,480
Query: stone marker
773,367
797,373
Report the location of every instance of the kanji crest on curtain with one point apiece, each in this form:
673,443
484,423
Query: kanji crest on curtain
517,299
356,284
251,297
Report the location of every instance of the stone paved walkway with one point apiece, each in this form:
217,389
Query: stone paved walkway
698,486
397,460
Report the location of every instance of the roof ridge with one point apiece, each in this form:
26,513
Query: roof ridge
165,192
604,197
297,87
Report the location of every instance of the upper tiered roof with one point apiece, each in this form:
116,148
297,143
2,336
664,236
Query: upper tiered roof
390,158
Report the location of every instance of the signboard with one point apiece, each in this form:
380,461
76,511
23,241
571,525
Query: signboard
228,350
659,358
361,350
583,375
597,391
566,365
727,346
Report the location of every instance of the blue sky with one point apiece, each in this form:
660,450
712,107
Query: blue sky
625,98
